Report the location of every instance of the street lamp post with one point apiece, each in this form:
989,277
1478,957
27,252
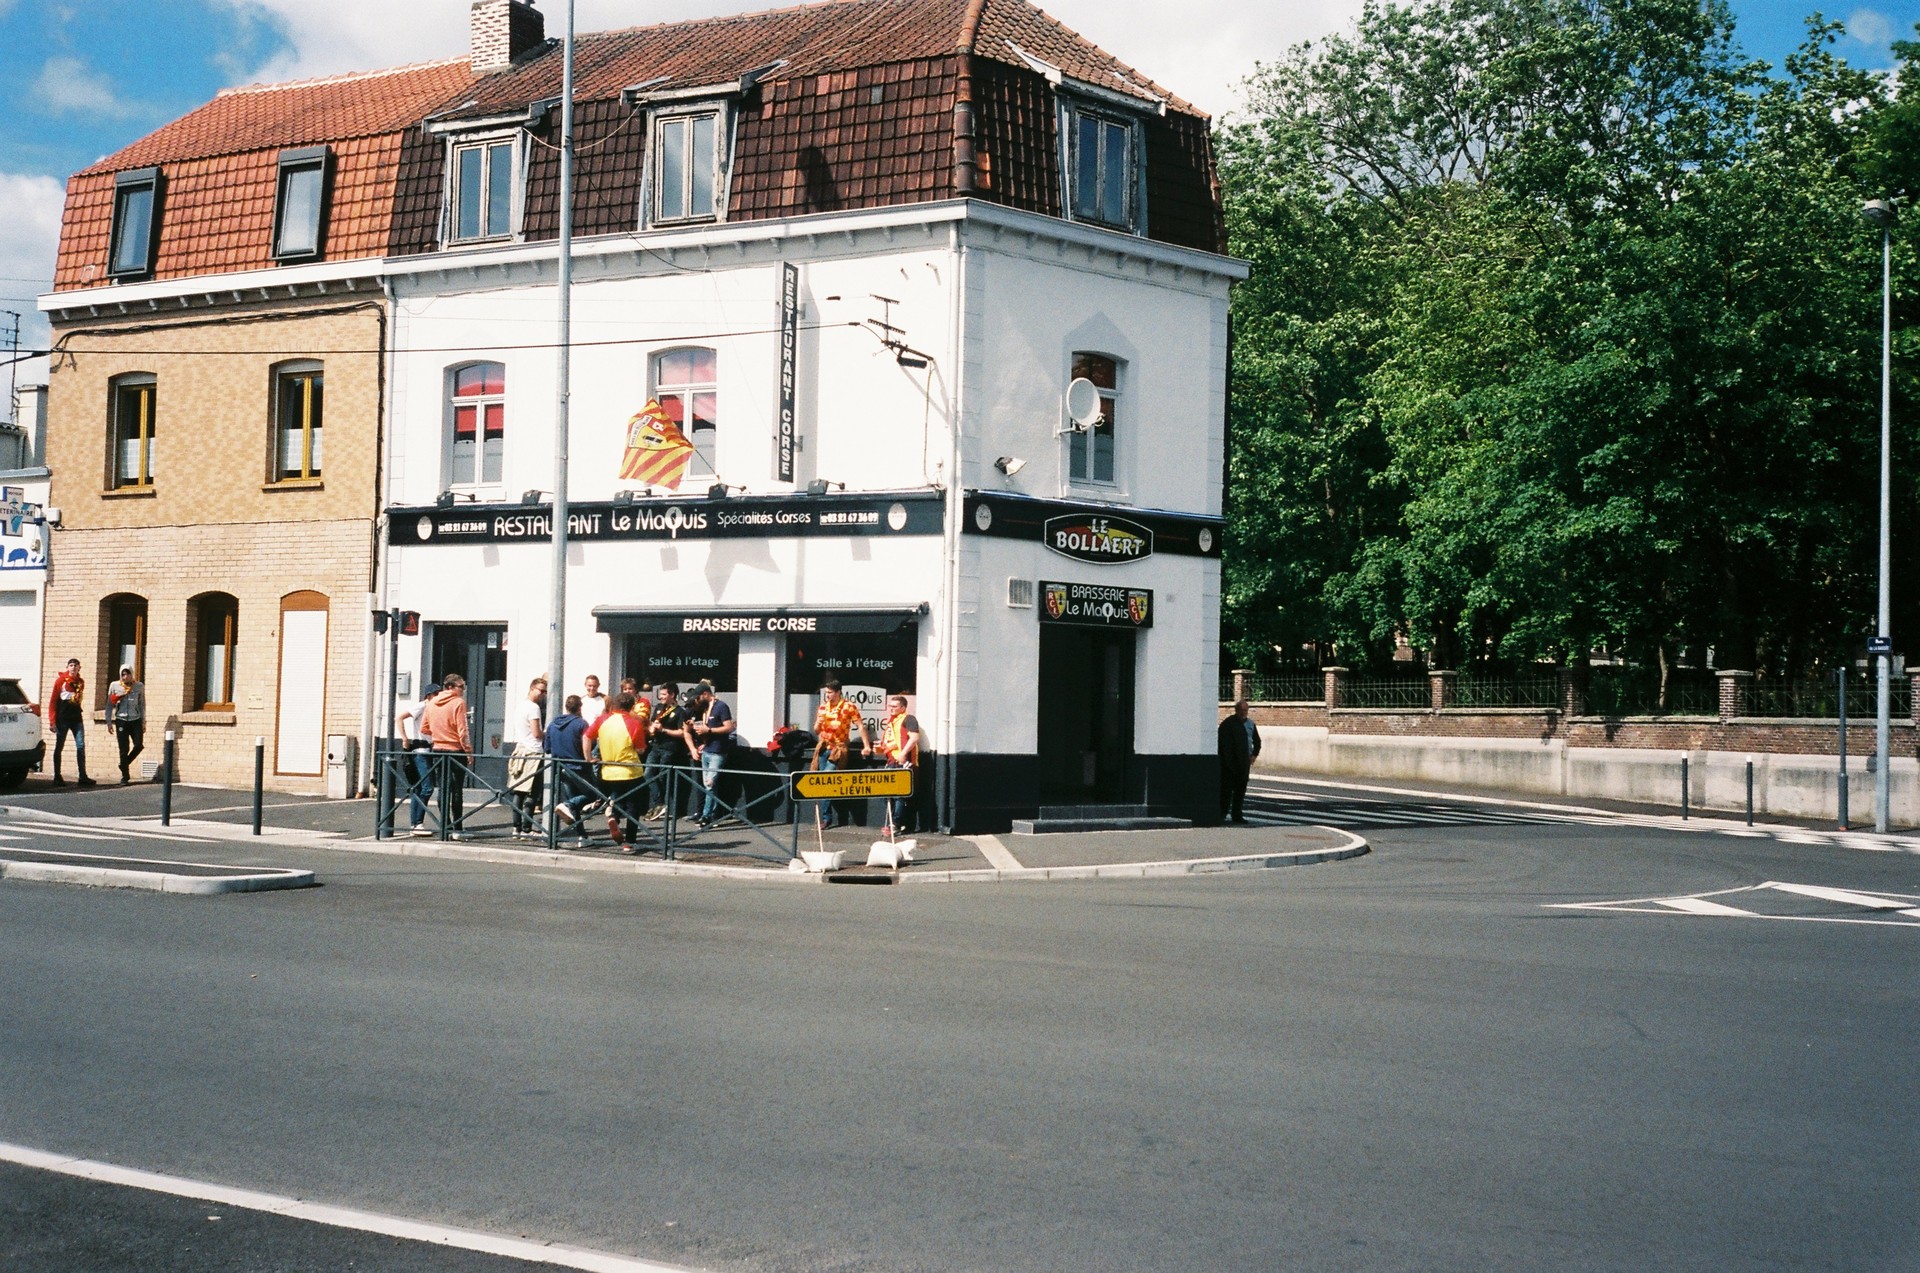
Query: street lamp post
1881,212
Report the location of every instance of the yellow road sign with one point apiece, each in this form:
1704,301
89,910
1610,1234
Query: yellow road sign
852,784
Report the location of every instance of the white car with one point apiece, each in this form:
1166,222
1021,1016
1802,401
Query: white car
21,744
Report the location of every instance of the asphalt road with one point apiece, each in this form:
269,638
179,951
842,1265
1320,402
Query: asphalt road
1417,1059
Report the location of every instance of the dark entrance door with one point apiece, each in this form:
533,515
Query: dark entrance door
478,653
1086,715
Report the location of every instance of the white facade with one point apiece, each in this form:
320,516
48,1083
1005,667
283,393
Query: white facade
24,544
993,303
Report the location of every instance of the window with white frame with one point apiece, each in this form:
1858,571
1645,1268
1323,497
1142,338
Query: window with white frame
1090,450
686,384
686,175
300,204
481,184
136,223
1103,167
477,424
299,411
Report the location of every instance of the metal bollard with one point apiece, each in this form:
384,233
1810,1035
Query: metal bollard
259,777
166,780
1841,672
1749,790
1686,791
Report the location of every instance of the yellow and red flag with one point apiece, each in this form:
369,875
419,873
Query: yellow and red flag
657,452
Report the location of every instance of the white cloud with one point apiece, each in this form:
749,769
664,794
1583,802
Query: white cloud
29,238
1200,49
68,86
1870,27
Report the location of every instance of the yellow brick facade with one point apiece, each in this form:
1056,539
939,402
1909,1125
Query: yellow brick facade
213,522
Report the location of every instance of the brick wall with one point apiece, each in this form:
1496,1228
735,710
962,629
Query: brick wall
213,523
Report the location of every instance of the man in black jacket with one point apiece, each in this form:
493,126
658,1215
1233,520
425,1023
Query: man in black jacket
1239,740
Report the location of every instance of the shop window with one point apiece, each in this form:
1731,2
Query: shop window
125,618
300,205
136,223
131,401
477,424
298,413
868,665
215,618
1102,167
481,182
686,385
687,174
1090,451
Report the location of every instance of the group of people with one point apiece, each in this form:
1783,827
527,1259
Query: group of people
621,752
126,718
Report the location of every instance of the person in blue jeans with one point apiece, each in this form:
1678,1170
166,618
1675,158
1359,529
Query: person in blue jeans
566,742
710,726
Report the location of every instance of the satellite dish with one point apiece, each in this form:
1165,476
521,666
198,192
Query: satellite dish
1083,403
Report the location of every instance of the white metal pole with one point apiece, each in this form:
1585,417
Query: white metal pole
1881,724
557,627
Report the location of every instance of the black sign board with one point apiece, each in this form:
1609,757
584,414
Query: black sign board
738,623
1096,533
789,342
1094,605
765,517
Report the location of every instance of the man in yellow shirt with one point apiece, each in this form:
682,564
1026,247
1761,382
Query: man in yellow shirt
834,726
617,736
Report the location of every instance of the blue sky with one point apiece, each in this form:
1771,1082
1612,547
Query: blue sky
82,78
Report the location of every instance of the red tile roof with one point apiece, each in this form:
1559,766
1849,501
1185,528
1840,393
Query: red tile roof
857,113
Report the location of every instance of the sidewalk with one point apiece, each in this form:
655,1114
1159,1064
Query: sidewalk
724,852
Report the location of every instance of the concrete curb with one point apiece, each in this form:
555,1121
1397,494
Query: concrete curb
1354,847
84,869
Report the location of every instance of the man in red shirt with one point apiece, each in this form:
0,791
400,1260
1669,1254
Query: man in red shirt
67,707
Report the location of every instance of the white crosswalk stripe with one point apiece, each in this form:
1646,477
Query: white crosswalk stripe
61,830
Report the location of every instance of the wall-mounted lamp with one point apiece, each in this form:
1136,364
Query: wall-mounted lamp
445,499
719,490
1009,464
531,497
622,498
820,486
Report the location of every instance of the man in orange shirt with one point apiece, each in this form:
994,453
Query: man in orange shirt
834,725
443,721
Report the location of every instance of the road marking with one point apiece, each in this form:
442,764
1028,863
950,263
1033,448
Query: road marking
995,852
1701,904
1844,895
571,1257
116,834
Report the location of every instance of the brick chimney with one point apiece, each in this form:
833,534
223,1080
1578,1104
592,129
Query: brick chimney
503,31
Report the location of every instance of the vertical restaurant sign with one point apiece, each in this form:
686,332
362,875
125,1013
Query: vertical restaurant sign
789,340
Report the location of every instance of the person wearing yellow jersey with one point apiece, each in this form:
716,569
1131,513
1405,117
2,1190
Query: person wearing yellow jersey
834,726
899,749
617,736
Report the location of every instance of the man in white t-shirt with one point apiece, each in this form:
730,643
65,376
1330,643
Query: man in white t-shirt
406,729
525,770
593,704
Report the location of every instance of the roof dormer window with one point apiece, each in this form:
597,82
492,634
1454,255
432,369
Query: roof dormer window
1103,167
482,184
136,223
687,175
300,207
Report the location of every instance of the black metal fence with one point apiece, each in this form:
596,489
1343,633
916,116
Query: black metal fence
558,804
